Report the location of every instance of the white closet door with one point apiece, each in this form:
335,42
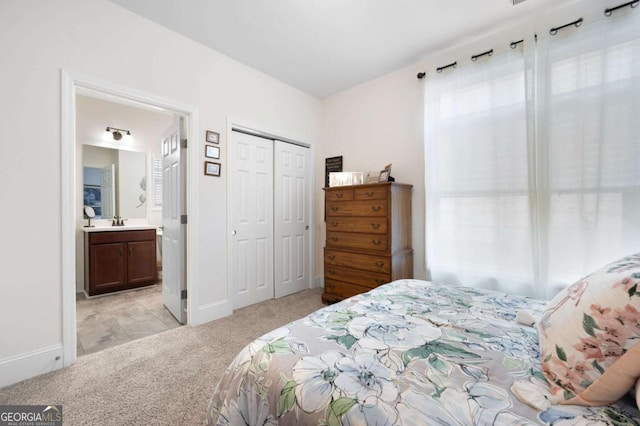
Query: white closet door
251,219
292,211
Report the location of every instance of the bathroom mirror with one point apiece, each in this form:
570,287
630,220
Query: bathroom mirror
114,182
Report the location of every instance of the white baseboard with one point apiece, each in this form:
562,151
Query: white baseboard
318,281
21,367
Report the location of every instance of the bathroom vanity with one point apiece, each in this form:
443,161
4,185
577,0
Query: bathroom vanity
119,258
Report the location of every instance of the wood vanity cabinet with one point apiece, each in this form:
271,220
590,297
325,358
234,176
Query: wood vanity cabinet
119,260
368,238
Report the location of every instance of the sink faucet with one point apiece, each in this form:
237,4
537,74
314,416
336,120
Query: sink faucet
117,221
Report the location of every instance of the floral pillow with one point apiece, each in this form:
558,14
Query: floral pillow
589,336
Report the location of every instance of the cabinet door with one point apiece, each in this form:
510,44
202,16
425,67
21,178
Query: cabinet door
107,267
141,262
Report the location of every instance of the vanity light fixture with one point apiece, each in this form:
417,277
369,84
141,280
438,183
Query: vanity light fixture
116,133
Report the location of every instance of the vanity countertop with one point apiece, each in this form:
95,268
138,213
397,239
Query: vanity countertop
118,228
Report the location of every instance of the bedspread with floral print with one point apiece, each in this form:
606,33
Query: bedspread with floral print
407,353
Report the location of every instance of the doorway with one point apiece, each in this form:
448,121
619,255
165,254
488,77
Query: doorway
71,84
269,216
134,195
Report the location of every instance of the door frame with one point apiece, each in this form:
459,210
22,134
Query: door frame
235,123
69,217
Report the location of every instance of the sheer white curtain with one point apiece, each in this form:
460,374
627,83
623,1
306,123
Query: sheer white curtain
477,174
533,171
588,110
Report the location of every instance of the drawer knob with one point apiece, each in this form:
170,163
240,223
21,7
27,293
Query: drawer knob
331,257
331,286
331,272
334,209
369,194
376,242
375,225
379,264
334,238
334,224
339,195
376,208
379,281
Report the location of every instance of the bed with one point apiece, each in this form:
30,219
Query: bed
410,352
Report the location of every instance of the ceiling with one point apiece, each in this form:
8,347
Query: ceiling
325,46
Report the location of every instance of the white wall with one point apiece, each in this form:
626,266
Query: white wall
372,125
99,39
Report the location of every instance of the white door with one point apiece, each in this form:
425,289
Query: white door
292,214
108,191
173,207
251,219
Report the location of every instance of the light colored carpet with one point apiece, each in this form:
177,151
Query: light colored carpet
164,379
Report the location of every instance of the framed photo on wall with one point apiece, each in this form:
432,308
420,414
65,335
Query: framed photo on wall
211,151
212,137
211,168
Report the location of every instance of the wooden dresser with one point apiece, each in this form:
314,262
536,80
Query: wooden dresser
368,238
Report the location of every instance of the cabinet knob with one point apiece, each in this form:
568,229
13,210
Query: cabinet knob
334,238
339,195
369,194
334,209
376,242
376,208
331,286
331,272
331,257
379,264
334,224
375,225
379,281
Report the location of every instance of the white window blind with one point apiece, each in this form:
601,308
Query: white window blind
157,181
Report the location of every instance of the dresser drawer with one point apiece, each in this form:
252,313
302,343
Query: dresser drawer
342,290
357,208
371,193
373,225
340,195
356,276
368,262
357,241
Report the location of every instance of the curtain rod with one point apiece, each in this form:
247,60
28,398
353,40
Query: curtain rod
451,65
474,58
479,55
609,11
577,23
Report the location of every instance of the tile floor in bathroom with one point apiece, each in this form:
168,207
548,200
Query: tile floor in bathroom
103,322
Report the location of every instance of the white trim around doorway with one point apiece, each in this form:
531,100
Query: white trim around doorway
69,82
